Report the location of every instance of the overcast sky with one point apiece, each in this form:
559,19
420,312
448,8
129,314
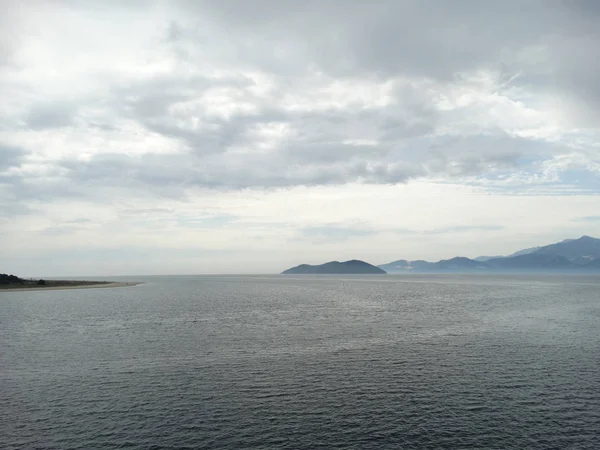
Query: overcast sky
238,136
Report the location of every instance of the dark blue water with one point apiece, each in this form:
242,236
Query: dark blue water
412,362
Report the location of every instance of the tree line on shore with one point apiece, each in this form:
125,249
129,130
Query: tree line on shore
6,278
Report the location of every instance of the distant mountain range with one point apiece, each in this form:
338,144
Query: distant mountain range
581,254
519,253
570,255
335,267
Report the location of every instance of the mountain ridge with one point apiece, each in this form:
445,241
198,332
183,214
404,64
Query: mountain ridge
582,254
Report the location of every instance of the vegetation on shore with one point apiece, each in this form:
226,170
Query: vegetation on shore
10,279
14,282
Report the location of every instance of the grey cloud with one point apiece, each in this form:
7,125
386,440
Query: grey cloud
102,126
387,35
319,139
227,171
11,209
50,115
482,153
151,104
423,38
171,175
11,157
330,153
12,201
218,139
318,136
152,97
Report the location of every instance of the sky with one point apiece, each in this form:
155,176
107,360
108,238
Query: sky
190,137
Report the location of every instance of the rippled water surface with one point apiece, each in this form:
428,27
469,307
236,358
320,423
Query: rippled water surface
412,362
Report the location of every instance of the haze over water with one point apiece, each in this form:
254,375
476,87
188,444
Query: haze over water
365,362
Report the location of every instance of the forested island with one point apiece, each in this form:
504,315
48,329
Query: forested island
335,267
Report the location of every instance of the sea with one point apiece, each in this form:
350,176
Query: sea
304,362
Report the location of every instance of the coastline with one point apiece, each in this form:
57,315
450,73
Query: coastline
81,286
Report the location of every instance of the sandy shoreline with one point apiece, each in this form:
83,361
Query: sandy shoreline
83,286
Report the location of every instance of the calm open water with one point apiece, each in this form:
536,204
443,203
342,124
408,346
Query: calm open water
249,362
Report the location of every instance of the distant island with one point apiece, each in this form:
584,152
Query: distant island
570,255
14,283
335,267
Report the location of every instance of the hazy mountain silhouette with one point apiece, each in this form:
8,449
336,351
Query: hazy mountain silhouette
459,263
570,255
531,261
525,251
585,246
